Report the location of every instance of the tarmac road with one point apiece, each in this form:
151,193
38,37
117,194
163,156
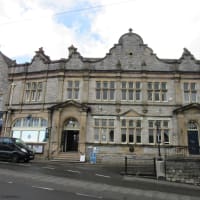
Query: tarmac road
85,181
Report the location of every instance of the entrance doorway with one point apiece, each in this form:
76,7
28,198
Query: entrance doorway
70,136
193,139
70,140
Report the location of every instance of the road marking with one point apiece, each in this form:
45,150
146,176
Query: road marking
89,195
101,175
25,165
43,188
51,168
10,182
73,171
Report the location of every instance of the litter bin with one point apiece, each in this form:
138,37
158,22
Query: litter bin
160,169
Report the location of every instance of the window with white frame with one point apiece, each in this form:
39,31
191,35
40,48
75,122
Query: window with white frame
158,131
104,130
73,89
33,91
131,131
30,129
157,91
105,90
131,91
190,92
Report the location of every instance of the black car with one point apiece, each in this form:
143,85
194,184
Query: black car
15,150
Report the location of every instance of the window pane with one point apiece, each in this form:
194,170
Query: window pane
150,96
131,135
130,94
137,95
123,84
105,84
156,86
111,135
123,94
112,84
138,135
111,122
29,136
194,96
193,86
105,94
112,92
130,85
138,85
98,84
41,136
151,136
166,136
98,96
16,134
96,122
103,135
96,134
123,123
149,86
123,132
186,86
70,84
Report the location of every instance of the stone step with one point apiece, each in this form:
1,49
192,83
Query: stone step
69,157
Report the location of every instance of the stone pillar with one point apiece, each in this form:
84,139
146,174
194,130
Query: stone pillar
178,90
82,134
85,88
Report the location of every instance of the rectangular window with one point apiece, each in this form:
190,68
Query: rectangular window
157,91
159,131
131,91
105,90
190,92
104,130
33,91
130,131
73,89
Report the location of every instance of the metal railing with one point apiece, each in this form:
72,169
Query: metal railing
139,166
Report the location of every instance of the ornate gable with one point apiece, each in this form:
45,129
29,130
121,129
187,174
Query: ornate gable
71,103
130,113
191,106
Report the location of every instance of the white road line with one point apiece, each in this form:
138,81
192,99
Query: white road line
43,188
25,165
73,171
52,168
89,195
101,175
10,182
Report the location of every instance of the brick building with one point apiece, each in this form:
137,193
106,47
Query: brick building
129,102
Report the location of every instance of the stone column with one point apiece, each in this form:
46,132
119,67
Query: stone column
83,129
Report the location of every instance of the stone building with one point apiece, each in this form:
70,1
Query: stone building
128,103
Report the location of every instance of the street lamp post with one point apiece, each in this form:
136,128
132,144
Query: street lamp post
158,138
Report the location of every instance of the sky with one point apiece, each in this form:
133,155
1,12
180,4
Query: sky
94,26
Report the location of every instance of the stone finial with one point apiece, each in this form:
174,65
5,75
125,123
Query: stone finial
72,50
130,30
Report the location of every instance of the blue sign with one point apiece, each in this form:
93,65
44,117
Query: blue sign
93,157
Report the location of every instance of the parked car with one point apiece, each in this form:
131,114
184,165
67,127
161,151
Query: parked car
15,150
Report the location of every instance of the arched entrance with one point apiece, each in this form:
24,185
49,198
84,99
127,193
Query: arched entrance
193,138
70,135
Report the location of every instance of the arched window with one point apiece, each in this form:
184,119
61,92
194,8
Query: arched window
30,129
192,126
71,124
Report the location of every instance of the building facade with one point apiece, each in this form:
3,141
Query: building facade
128,103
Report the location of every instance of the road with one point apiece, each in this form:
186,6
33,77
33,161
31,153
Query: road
79,181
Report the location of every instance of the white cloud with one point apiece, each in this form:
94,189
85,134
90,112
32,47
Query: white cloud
167,26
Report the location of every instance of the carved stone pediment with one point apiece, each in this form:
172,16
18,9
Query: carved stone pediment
189,107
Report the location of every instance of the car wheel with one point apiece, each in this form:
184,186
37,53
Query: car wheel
15,158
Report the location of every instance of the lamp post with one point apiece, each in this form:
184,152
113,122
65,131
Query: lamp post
157,124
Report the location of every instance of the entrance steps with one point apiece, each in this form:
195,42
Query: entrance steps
67,156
